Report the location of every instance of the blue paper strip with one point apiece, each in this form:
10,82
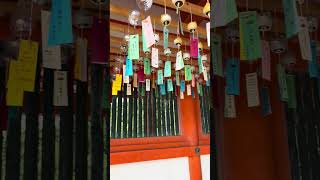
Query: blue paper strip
129,69
313,65
265,101
60,28
182,86
232,77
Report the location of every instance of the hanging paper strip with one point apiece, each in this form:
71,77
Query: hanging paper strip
116,85
216,53
162,89
313,65
155,58
229,106
51,55
60,87
135,80
194,47
80,69
160,77
141,75
282,83
169,85
144,43
265,101
148,32
27,64
167,69
188,73
99,42
290,17
232,77
250,44
126,79
60,29
252,90
165,37
129,68
200,64
148,85
177,79
292,96
266,61
182,86
224,11
147,68
133,50
208,33
179,61
15,93
189,90
304,39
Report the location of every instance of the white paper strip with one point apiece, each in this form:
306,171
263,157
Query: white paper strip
51,56
60,86
229,106
252,90
155,58
148,84
208,33
189,90
125,78
129,92
304,39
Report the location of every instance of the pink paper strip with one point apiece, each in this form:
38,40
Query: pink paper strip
266,71
148,32
194,48
141,75
99,42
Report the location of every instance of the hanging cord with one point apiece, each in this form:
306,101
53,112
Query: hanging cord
154,30
191,21
300,9
31,19
100,10
247,5
261,6
81,7
165,6
232,49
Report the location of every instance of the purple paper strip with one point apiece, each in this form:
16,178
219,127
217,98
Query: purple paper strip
99,41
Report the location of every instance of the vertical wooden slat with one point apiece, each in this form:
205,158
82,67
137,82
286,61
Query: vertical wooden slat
124,117
154,113
119,119
130,116
13,144
48,132
172,114
32,102
81,150
114,116
66,129
150,122
145,114
168,119
96,126
135,110
3,112
163,116
159,119
140,119
175,107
